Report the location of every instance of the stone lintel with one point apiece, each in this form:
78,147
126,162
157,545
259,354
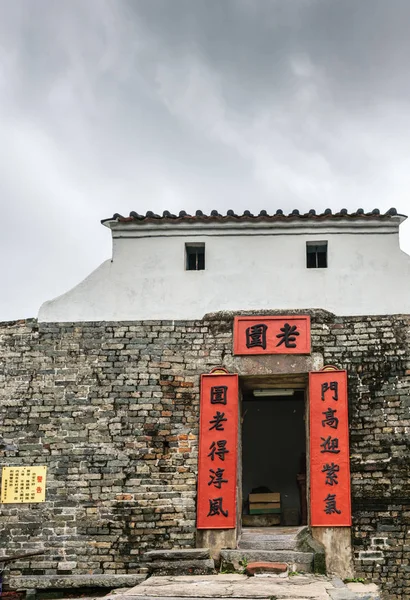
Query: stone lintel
274,364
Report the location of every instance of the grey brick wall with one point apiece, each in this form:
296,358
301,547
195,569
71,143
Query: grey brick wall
112,409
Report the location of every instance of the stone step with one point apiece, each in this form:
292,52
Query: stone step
181,567
179,554
270,538
255,568
44,582
296,561
260,520
267,542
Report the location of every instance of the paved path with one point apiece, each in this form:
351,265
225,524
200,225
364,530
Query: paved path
235,587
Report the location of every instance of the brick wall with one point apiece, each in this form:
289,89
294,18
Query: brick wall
112,410
376,353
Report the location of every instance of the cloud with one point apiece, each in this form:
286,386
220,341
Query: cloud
117,105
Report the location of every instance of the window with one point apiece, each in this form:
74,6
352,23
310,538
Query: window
316,255
195,257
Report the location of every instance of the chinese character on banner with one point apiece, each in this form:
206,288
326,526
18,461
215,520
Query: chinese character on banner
330,504
288,336
333,385
217,421
218,394
218,448
256,336
272,335
330,445
217,463
330,420
216,478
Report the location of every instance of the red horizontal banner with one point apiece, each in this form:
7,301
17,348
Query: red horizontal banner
272,335
218,435
329,450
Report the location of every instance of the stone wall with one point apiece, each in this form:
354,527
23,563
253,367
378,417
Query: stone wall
112,410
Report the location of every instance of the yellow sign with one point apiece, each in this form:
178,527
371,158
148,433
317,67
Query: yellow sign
23,484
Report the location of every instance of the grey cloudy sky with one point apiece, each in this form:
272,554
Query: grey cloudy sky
115,105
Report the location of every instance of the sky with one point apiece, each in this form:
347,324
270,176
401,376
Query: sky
112,106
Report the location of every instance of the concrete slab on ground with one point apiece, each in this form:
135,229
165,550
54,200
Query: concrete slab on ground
358,587
299,587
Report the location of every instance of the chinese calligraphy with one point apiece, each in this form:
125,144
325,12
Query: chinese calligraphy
331,473
329,509
330,418
333,385
215,508
216,478
330,445
219,449
217,466
218,394
256,336
272,335
288,336
217,421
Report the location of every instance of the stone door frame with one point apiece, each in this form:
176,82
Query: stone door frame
285,369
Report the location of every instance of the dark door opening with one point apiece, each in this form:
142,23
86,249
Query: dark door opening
274,459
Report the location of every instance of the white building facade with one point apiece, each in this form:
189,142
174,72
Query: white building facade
243,263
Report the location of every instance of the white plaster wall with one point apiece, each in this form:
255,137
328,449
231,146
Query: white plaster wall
367,274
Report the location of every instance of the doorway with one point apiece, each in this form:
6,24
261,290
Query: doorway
273,457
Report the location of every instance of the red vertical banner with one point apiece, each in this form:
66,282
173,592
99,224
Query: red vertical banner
330,504
217,463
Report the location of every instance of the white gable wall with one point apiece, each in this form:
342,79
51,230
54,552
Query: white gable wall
247,267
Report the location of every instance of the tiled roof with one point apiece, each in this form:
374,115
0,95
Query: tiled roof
263,215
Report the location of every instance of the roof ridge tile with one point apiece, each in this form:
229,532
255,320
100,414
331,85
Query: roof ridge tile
263,215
